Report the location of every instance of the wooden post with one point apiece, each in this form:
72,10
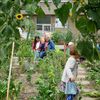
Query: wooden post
9,77
64,52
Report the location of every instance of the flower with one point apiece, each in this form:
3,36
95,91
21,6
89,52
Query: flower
19,16
70,14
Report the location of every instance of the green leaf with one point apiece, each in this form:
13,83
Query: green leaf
95,16
4,1
27,1
39,11
85,26
92,14
81,25
91,26
63,12
8,31
3,27
68,36
85,48
96,54
30,8
37,1
93,2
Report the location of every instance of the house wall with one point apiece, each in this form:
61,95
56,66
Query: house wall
50,12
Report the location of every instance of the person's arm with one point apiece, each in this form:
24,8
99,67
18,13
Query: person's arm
52,45
33,46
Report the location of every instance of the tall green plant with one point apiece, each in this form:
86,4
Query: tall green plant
50,73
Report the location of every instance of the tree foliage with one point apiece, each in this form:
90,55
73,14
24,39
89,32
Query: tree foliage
85,14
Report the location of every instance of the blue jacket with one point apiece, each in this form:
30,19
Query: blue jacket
51,45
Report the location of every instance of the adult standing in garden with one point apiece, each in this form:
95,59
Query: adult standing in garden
69,76
35,47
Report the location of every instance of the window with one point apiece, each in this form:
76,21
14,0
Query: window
44,20
44,23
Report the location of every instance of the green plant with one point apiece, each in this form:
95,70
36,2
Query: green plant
50,73
92,94
67,36
14,89
29,74
25,49
56,37
94,73
59,36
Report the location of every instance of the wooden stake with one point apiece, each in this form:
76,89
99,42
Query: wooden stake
9,77
64,52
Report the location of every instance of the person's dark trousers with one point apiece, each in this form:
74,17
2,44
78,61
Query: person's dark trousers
70,97
42,54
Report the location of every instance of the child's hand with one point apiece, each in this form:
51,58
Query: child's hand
72,79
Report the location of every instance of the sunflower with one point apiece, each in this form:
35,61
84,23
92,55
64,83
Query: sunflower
19,16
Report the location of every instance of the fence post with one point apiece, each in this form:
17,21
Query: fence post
9,77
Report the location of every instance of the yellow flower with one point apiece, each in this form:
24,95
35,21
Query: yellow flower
19,16
70,14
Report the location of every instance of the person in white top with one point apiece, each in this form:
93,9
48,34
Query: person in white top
70,71
35,47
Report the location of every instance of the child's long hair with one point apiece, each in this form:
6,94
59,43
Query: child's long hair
35,41
75,53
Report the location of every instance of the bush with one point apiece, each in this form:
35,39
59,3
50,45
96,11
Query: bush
94,73
61,37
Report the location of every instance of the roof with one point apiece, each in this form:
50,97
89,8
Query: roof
46,10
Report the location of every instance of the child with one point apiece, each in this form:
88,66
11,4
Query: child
35,46
42,48
70,73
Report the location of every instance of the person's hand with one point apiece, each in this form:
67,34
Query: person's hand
72,79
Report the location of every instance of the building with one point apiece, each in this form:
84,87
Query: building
49,22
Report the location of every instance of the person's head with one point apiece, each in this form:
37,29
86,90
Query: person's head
42,39
47,37
37,38
71,45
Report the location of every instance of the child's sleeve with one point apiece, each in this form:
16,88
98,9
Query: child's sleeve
70,65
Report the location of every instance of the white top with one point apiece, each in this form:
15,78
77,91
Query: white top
70,69
37,45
